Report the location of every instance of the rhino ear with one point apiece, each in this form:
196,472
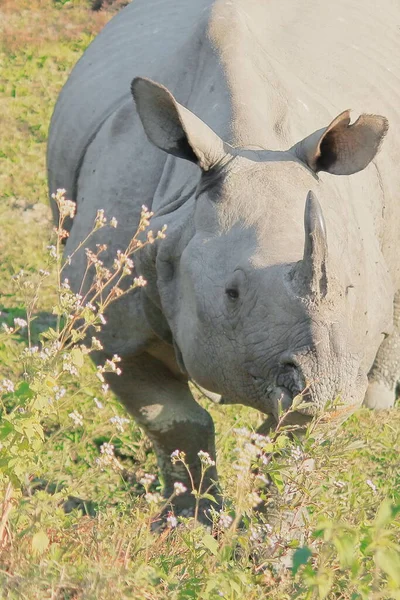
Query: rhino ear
173,128
341,148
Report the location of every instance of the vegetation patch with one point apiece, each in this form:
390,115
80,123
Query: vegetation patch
304,516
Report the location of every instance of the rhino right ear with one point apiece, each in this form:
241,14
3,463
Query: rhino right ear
173,128
343,148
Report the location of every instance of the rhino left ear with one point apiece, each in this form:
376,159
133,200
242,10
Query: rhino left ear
173,128
341,148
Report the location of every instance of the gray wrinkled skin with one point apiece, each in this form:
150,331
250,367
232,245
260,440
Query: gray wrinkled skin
279,272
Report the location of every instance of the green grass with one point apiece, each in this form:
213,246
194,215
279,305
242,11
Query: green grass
349,546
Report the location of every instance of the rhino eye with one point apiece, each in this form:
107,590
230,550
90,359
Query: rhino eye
232,293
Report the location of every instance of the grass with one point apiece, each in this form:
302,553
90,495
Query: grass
348,547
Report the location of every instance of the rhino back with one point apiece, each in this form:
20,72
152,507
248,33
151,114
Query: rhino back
143,39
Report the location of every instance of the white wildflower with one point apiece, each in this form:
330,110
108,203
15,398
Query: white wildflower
59,392
67,208
205,459
65,284
44,273
153,498
161,234
97,402
96,344
172,521
20,323
147,480
179,488
177,456
102,319
225,521
139,281
255,499
119,422
297,453
6,328
372,485
6,386
52,251
76,418
107,458
100,220
113,222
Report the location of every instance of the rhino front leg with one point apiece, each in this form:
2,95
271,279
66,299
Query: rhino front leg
384,376
161,403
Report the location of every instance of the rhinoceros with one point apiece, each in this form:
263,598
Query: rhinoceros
279,273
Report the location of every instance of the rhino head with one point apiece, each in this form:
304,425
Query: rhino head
263,300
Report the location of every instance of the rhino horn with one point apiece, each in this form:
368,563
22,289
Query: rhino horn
310,272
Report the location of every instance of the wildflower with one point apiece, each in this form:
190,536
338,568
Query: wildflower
18,275
96,345
139,281
102,319
20,323
113,222
100,220
225,521
147,480
119,422
161,234
6,386
104,388
67,208
172,521
90,306
107,458
65,284
6,328
297,453
98,403
205,459
60,392
76,418
68,366
44,273
145,217
372,486
52,251
179,488
177,456
31,350
255,499
153,498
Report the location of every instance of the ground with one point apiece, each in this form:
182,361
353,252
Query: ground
346,484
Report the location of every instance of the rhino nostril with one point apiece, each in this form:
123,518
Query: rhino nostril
290,375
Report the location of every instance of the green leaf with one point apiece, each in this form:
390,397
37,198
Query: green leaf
345,544
210,543
209,497
40,542
389,561
77,357
384,514
300,557
277,479
5,429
